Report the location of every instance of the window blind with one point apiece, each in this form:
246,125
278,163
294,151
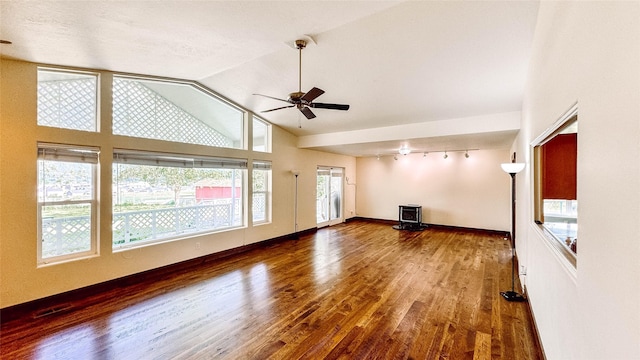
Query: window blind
261,165
67,153
135,157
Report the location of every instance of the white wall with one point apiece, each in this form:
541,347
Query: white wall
21,280
589,53
456,191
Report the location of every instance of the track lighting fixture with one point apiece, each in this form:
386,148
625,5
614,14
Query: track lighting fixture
404,150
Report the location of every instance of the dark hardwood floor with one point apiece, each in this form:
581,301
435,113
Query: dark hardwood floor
359,290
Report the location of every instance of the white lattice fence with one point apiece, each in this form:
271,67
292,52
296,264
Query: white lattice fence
259,206
73,234
66,236
157,224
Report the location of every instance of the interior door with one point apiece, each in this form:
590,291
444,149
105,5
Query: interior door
329,194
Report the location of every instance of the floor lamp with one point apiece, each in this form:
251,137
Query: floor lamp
512,169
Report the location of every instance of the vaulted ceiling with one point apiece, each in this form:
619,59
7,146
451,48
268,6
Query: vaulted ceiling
431,75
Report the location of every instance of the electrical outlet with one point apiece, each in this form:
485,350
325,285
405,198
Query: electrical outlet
523,270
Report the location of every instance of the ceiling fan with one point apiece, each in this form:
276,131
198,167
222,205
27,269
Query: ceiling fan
304,101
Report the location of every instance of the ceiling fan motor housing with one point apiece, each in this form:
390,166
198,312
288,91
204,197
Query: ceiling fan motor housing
301,44
295,96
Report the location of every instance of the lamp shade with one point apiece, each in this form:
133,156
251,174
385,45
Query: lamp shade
512,168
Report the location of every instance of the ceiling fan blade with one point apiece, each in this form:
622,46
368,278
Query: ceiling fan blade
307,112
329,106
312,94
271,97
280,108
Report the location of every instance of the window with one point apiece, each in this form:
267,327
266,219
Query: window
261,135
261,191
158,197
174,111
67,99
556,203
67,206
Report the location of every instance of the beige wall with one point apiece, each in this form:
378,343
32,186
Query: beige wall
589,53
22,280
456,191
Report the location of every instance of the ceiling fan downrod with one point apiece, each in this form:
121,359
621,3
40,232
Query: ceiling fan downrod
300,44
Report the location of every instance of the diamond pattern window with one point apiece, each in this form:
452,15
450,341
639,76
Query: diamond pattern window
174,111
67,99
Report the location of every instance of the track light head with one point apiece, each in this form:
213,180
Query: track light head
466,154
445,155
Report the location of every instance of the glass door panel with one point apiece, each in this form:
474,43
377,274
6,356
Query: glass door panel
329,194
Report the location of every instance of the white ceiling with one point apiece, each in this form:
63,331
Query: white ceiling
397,63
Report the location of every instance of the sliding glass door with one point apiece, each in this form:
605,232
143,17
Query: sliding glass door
329,195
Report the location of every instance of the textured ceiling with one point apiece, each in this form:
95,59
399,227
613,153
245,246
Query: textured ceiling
397,63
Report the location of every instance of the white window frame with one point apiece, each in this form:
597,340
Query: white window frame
267,135
96,94
260,165
148,158
70,153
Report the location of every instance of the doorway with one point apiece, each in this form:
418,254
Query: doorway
329,194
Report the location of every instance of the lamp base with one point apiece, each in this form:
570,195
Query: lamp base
512,296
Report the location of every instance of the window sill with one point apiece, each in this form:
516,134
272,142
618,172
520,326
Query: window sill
66,259
262,222
567,259
153,242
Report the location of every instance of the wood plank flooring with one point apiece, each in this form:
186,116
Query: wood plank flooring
359,290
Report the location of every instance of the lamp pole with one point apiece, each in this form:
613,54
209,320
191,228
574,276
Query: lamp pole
513,211
296,207
512,169
295,203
